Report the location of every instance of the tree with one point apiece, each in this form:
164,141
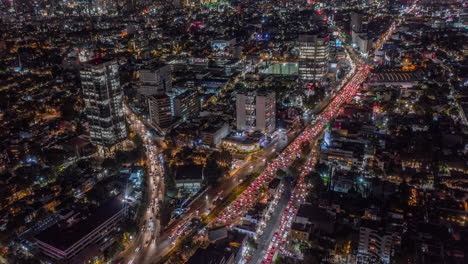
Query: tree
310,102
71,173
130,226
165,215
80,128
68,109
167,152
296,165
128,156
217,164
139,147
312,256
136,139
321,168
169,180
186,245
404,192
389,107
110,164
315,179
222,158
424,104
97,194
54,157
85,164
318,185
211,63
213,173
113,249
252,244
306,148
281,173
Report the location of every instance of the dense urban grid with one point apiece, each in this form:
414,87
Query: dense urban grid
233,132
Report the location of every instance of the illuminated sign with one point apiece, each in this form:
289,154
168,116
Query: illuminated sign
262,37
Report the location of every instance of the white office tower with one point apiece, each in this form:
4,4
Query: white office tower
103,94
313,58
255,111
376,245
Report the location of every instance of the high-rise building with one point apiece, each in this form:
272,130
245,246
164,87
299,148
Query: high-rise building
187,105
155,79
375,244
160,109
256,111
103,99
359,31
313,58
356,21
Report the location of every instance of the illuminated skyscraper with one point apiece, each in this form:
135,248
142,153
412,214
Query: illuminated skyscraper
313,58
104,102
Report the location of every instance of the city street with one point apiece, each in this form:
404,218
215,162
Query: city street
311,133
152,252
154,192
233,132
272,225
165,243
301,189
237,209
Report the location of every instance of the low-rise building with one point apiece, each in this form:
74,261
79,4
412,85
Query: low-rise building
345,158
223,251
189,178
241,144
376,245
213,133
64,241
311,218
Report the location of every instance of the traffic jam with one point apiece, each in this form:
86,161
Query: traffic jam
247,199
300,192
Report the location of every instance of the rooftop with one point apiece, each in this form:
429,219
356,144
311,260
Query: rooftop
189,172
219,252
63,235
97,61
314,213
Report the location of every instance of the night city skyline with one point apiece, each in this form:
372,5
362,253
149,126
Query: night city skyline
233,132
